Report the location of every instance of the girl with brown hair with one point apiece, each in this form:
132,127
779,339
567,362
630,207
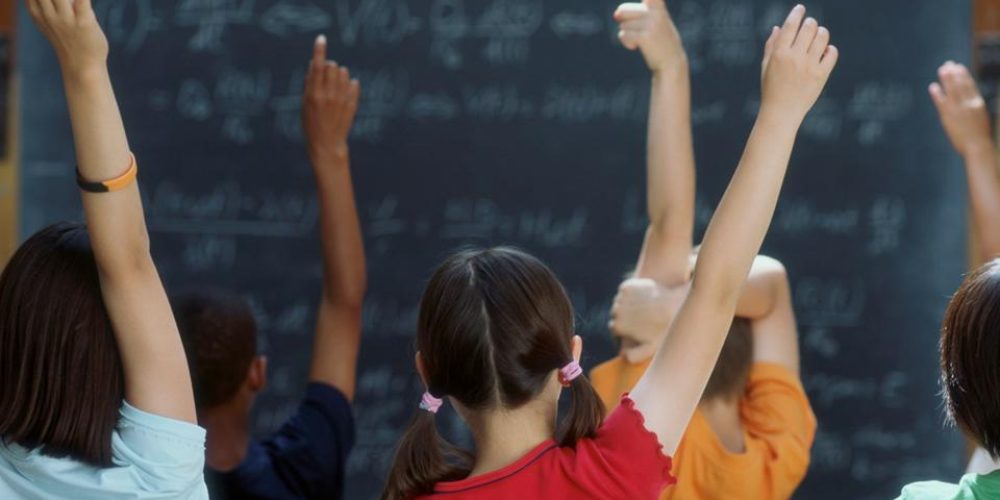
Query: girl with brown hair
495,336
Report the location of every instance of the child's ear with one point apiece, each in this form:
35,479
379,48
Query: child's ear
257,376
577,347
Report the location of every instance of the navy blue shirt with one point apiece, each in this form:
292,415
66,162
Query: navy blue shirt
305,458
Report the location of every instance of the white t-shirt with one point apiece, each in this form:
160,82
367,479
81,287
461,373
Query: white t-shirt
155,458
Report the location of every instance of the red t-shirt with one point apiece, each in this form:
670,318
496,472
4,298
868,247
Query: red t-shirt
624,460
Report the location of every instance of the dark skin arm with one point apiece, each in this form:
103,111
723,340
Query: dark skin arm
330,103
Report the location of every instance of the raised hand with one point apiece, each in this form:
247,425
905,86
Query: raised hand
647,26
71,27
329,105
798,60
642,312
962,109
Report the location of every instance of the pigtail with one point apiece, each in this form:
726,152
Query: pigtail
586,413
423,459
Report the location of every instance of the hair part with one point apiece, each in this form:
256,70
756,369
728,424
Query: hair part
494,325
63,382
219,334
970,357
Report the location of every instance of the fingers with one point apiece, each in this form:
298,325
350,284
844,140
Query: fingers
82,6
48,8
829,61
314,79
629,39
34,9
331,72
353,93
632,18
965,84
347,96
806,34
630,11
790,30
819,44
937,95
64,9
636,25
950,80
319,50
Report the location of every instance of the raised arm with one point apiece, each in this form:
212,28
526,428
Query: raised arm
643,310
670,183
156,372
796,65
966,121
330,102
767,302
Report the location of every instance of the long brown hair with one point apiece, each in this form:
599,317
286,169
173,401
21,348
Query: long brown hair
62,381
970,357
493,327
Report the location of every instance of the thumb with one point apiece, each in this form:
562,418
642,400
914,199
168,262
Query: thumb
937,95
769,46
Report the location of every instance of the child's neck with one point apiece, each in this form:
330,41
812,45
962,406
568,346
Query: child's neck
723,416
228,436
503,437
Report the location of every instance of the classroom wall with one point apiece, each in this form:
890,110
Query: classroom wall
8,163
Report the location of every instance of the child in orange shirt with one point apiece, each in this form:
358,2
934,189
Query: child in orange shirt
751,434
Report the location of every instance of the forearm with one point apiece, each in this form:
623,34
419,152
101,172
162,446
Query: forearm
336,347
670,178
743,216
338,329
115,220
344,273
984,198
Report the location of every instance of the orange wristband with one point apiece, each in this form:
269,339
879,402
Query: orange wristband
110,186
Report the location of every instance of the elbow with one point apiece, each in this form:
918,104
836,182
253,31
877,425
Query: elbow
349,295
770,270
127,261
720,294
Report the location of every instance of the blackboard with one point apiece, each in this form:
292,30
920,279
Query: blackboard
522,122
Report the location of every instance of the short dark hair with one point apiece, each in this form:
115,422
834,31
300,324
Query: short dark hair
970,357
62,380
732,369
220,339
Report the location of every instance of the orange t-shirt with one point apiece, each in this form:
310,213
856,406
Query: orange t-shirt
778,429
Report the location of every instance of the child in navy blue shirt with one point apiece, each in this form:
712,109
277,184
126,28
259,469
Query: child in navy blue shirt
305,458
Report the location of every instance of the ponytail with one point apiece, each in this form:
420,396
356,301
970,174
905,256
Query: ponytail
424,459
586,413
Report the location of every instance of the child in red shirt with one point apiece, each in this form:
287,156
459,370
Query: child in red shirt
495,332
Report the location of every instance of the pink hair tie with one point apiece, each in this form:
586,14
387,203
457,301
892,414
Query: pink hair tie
569,372
430,403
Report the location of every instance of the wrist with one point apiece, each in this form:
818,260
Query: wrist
85,74
781,117
334,157
677,68
980,148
